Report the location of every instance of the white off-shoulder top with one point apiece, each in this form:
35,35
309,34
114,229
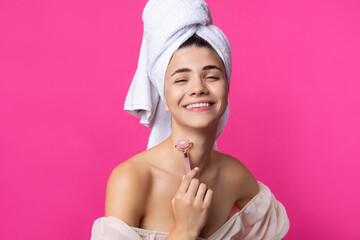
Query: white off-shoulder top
263,217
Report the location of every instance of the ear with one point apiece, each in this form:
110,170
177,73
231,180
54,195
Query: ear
166,106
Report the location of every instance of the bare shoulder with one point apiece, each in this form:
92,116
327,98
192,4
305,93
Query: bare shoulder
239,179
127,191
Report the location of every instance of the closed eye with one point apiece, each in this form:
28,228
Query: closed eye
180,80
213,77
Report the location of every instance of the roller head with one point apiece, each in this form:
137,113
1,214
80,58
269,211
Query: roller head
183,143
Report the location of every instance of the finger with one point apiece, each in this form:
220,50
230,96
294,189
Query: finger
208,197
186,181
193,188
192,172
200,193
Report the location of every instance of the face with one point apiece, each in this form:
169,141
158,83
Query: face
196,89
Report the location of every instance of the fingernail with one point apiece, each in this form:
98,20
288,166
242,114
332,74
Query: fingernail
183,177
196,168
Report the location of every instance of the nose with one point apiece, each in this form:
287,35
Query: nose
198,87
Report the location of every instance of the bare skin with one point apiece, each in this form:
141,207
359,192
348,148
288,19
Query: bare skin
147,191
155,188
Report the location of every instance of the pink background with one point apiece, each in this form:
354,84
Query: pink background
65,67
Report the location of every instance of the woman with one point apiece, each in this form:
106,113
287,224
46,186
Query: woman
147,196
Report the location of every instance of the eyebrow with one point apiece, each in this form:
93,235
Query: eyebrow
181,70
208,67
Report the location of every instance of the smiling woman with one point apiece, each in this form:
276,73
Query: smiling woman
181,92
195,82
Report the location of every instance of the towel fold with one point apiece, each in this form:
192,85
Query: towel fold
168,24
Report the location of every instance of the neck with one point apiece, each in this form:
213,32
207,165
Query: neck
200,153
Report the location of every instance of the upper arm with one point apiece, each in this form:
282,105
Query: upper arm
244,183
126,194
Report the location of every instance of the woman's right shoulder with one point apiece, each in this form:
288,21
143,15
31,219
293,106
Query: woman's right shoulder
127,190
135,169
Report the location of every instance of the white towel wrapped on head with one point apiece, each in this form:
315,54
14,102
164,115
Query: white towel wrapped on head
168,24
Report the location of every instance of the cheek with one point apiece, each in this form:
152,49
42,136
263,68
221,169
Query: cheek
221,91
172,96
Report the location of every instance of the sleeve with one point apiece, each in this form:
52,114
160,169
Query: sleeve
264,217
111,228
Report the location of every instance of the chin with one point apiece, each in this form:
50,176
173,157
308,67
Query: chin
197,122
202,124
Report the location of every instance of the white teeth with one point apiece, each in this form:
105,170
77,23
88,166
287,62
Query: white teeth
196,105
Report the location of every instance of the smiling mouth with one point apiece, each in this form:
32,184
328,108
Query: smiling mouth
198,105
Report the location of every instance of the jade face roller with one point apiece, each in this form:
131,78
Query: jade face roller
184,145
